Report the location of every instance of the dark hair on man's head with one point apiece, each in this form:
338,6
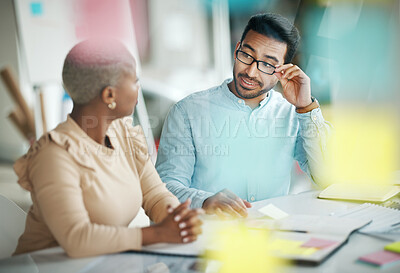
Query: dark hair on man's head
276,27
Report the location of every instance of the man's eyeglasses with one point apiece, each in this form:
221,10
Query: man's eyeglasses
249,60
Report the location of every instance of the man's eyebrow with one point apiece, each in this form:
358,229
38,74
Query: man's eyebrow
249,47
266,56
271,58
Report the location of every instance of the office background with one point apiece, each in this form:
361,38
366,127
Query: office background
349,49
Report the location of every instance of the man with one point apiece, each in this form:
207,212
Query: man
236,142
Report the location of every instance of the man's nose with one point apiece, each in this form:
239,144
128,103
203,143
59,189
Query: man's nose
252,70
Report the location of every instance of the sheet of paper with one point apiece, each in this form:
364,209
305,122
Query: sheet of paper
381,257
321,224
319,243
273,212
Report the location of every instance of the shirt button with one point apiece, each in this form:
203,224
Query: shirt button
314,118
252,198
239,101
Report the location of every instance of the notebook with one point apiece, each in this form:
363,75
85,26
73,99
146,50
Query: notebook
307,239
372,193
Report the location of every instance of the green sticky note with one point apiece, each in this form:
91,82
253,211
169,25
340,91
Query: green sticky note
394,247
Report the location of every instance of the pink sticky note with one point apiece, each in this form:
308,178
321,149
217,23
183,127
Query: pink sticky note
318,243
380,257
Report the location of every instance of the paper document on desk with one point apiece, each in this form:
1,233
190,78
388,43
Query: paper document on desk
321,224
274,212
306,238
320,235
384,220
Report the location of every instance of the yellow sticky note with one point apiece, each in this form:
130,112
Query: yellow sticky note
241,249
363,148
394,247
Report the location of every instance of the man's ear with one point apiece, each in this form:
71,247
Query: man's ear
236,48
109,94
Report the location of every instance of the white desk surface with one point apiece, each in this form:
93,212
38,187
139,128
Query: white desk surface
344,260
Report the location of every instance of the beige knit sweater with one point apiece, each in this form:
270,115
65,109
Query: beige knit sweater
85,194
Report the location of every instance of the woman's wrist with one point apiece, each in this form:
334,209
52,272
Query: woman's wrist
152,235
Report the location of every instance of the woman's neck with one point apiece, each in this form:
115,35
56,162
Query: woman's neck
92,122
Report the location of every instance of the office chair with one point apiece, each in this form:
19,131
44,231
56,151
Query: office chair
12,225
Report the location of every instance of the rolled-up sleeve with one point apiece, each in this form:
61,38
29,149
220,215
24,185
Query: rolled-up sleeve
311,144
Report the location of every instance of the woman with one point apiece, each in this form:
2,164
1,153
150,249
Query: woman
90,175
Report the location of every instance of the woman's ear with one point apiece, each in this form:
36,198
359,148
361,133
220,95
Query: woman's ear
109,95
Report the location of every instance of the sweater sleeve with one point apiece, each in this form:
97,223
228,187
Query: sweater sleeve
156,197
55,179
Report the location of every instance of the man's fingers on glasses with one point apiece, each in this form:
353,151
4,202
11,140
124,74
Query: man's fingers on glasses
293,74
279,68
290,70
278,75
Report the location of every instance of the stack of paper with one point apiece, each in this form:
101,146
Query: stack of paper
384,220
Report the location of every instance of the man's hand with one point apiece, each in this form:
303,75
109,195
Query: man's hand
226,201
295,83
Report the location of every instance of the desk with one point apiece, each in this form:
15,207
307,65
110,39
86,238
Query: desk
344,260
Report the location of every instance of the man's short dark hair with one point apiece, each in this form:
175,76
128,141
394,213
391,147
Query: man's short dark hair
276,27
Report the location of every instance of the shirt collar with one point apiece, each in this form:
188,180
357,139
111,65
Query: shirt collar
238,101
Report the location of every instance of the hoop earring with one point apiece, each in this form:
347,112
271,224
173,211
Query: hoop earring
112,105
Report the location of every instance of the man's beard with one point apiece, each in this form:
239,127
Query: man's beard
249,94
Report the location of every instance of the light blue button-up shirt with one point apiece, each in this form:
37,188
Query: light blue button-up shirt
212,140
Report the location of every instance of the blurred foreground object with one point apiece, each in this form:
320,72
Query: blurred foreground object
242,249
364,148
22,116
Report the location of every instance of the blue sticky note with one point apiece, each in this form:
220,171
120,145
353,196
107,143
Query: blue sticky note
36,8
